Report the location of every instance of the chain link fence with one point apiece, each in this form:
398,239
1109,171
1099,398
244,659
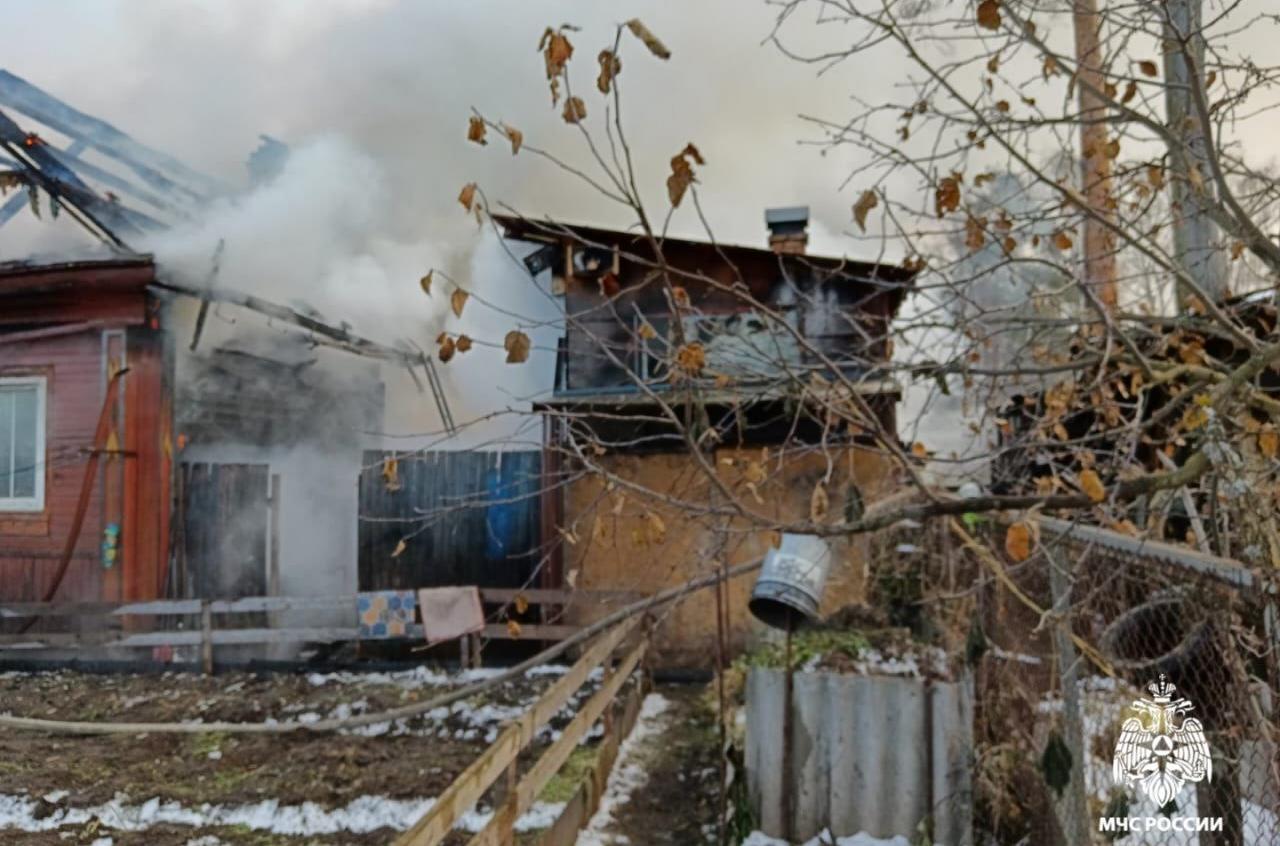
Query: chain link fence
1064,643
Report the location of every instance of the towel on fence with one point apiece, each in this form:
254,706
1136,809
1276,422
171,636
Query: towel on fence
450,612
384,613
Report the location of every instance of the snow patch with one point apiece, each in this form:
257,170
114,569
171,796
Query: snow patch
361,816
759,838
422,676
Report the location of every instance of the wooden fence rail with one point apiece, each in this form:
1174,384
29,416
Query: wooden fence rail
109,628
502,756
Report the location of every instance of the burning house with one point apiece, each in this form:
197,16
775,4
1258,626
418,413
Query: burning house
174,439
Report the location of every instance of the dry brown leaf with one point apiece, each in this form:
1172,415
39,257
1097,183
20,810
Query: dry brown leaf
679,296
1092,485
1155,175
866,203
425,282
463,343
517,346
1019,541
574,110
1130,91
447,347
974,236
513,629
1112,150
1148,67
1050,67
610,67
682,175
656,47
647,332
468,195
458,301
1062,240
1002,106
819,504
989,14
1125,527
516,137
919,450
691,359
993,64
1191,351
755,472
391,473
947,195
476,131
401,546
556,50
1269,441
1237,249
1195,178
521,603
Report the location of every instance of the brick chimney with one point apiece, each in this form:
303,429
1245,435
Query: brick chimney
788,229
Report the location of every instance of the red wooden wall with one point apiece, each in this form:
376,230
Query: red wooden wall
106,316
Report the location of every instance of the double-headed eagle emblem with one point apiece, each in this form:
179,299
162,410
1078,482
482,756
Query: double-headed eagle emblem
1161,748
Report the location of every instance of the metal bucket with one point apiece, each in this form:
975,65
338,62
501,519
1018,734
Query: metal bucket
791,581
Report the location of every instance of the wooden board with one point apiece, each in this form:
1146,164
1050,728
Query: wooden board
582,806
468,787
501,825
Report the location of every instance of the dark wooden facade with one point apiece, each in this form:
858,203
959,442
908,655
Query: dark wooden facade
611,284
465,518
73,325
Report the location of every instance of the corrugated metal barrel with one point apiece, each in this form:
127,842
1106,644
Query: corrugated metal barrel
791,581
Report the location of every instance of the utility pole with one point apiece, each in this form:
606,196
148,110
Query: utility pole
1195,237
1095,163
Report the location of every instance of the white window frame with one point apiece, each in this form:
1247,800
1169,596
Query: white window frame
32,503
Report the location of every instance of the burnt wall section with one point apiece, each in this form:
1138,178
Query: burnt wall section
225,514
279,396
841,317
464,518
291,419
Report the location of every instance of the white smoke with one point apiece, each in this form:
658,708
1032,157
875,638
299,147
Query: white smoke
313,239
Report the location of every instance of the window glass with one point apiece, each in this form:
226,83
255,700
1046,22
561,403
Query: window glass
21,444
26,405
6,441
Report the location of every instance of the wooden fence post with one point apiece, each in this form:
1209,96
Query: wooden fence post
206,637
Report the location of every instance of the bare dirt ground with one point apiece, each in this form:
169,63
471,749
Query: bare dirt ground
128,781
676,799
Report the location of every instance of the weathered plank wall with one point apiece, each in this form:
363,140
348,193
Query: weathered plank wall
466,518
622,546
224,513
